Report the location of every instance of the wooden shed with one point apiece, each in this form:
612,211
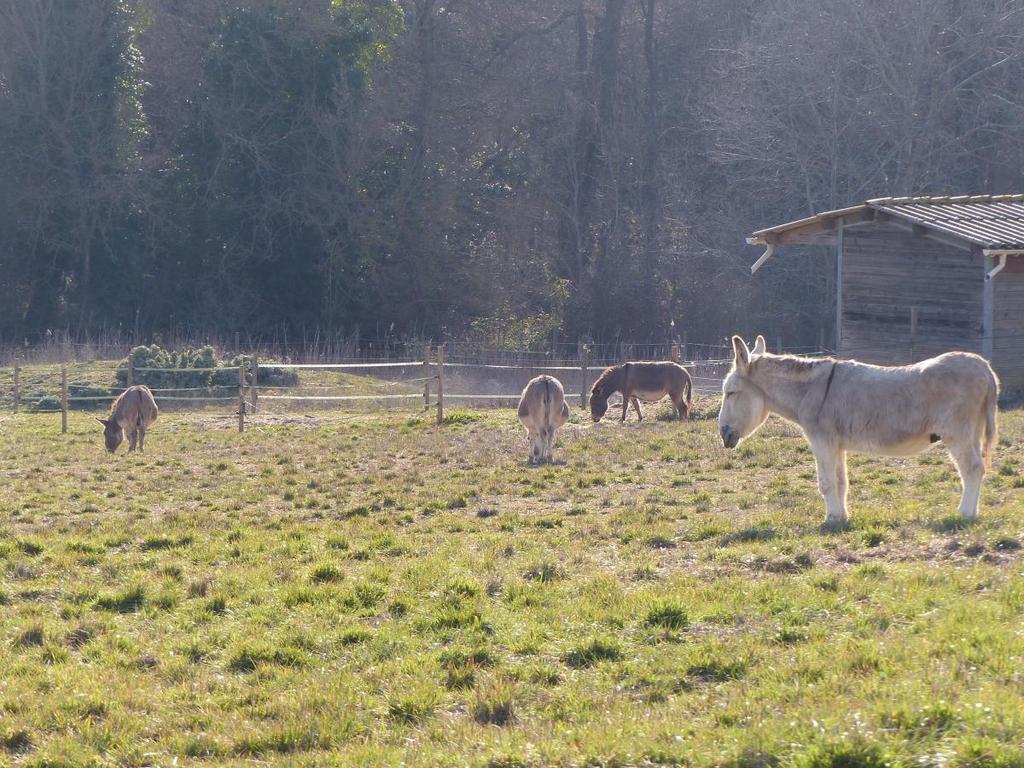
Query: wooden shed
918,276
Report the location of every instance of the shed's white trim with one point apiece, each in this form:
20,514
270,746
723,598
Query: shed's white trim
764,257
999,267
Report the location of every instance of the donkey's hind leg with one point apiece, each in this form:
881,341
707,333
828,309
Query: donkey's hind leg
132,436
549,444
967,455
142,439
682,412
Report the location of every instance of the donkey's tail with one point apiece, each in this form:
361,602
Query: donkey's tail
991,419
689,390
548,405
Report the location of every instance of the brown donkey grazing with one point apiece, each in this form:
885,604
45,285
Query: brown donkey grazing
542,409
642,381
132,412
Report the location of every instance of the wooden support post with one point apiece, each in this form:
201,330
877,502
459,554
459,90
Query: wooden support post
17,390
913,334
131,369
778,344
241,398
584,374
676,354
426,377
254,386
63,399
440,383
686,350
821,339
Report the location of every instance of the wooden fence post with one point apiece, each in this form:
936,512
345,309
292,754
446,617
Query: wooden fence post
778,344
426,378
584,374
17,390
821,339
440,383
913,334
131,369
241,398
254,387
63,399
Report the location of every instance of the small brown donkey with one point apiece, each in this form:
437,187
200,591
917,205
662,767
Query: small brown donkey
542,409
132,412
642,381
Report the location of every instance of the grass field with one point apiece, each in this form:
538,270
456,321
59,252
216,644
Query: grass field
374,590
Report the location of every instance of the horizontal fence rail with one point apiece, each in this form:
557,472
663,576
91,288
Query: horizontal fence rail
433,379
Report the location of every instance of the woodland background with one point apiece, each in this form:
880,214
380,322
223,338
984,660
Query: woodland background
502,170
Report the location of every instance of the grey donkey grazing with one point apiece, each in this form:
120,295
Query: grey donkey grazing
843,405
132,413
542,409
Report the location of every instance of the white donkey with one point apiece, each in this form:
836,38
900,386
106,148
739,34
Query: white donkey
542,409
844,405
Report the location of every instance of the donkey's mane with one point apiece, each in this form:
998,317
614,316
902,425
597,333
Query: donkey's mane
789,364
116,403
606,374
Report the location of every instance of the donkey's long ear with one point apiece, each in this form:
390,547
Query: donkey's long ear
760,347
104,422
741,355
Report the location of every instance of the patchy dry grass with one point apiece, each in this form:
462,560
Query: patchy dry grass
372,590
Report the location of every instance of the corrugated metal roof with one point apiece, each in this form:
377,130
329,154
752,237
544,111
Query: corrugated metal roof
994,222
991,221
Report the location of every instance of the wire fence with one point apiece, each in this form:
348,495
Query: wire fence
429,383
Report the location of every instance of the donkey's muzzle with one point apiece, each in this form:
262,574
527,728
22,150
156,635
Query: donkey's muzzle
730,438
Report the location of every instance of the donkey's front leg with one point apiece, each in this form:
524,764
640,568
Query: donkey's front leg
828,458
636,407
625,407
842,483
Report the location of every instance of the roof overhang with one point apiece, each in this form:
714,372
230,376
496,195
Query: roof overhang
824,228
820,229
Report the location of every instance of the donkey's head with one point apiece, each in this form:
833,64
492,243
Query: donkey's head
743,403
112,433
599,401
607,384
536,448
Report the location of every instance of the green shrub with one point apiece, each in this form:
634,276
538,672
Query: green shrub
198,368
667,615
43,402
86,390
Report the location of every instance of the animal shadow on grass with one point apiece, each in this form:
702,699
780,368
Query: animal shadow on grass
952,523
834,527
759,532
527,464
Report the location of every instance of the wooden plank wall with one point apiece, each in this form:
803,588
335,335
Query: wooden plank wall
886,271
1008,323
